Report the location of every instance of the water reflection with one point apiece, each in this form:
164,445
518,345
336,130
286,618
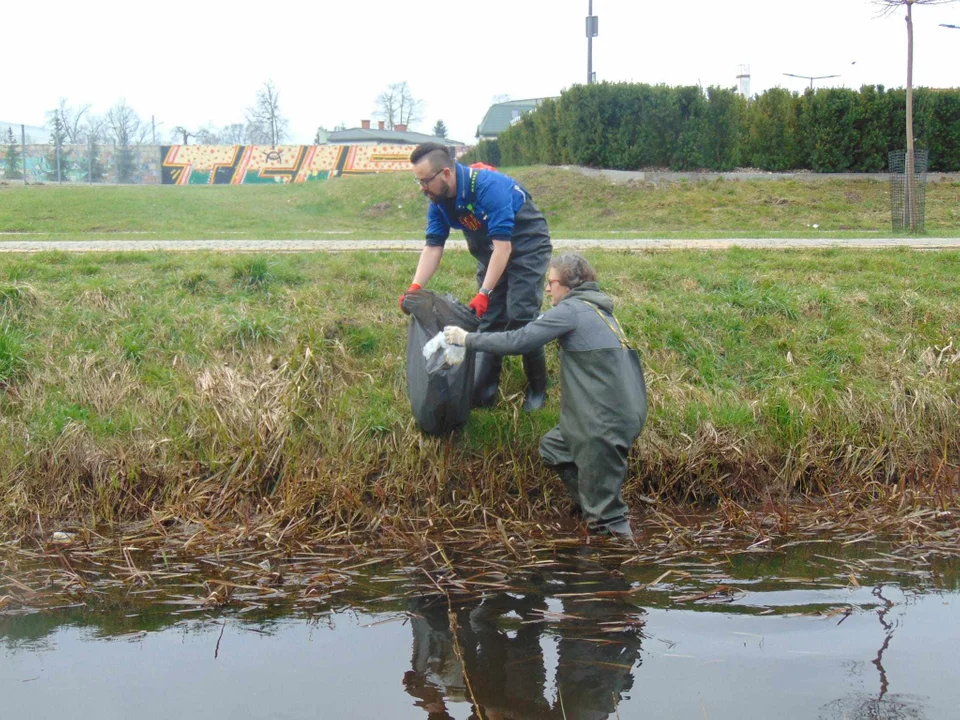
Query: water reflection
820,631
500,657
884,706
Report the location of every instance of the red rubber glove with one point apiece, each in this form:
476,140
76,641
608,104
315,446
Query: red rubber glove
479,304
413,288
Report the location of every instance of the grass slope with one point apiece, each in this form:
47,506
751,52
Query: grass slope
229,387
390,205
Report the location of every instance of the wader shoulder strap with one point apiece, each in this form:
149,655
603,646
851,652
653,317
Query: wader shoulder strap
472,197
611,323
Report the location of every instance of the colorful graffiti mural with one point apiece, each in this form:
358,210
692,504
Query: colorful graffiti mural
216,164
75,166
251,164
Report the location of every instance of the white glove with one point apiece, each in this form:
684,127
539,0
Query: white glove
454,335
454,355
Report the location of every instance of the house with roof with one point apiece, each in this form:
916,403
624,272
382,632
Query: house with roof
366,135
502,115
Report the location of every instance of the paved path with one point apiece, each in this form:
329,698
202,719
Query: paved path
26,246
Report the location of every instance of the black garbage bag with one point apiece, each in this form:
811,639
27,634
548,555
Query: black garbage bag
440,394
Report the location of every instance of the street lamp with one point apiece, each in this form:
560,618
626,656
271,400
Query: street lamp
592,31
811,78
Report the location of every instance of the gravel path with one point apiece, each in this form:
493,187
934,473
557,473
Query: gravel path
27,246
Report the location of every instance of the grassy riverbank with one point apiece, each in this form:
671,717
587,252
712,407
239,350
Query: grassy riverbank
228,389
390,206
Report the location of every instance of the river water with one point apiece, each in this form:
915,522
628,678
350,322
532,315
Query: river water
817,630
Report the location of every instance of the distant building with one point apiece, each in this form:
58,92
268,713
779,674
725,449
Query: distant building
35,135
501,115
366,135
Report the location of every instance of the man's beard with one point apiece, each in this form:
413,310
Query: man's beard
437,198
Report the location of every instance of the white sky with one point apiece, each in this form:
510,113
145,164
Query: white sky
199,62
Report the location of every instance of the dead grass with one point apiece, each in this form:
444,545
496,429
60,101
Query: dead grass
766,388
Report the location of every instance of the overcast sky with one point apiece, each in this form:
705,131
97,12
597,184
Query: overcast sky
201,62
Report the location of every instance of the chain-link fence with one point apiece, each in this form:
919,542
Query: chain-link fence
90,163
908,190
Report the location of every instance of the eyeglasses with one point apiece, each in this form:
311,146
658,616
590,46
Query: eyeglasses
424,183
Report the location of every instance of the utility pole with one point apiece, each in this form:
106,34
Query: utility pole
811,78
592,31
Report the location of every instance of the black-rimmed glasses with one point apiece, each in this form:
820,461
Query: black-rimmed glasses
424,183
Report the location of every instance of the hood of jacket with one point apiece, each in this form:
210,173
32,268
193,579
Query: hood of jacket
590,292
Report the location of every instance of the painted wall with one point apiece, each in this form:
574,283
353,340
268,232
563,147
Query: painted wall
42,165
220,164
252,164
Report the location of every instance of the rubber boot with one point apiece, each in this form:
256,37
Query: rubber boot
535,366
619,530
570,477
486,379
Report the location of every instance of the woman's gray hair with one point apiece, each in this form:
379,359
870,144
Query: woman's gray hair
572,270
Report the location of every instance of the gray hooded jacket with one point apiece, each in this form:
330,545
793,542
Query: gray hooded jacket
602,386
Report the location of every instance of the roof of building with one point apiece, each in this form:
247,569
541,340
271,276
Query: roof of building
386,137
34,134
500,115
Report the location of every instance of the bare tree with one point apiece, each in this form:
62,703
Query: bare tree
233,134
888,7
207,135
397,106
387,106
123,124
71,120
265,124
125,129
95,128
181,132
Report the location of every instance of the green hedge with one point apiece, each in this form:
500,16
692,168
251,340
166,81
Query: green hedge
628,126
487,151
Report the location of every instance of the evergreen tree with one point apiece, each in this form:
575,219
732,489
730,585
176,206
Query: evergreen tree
94,168
11,158
124,161
440,130
58,138
124,126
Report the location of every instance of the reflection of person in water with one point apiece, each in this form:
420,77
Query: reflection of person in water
500,640
504,666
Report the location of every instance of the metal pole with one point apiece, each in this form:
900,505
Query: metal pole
56,149
589,46
23,151
812,78
89,159
153,124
